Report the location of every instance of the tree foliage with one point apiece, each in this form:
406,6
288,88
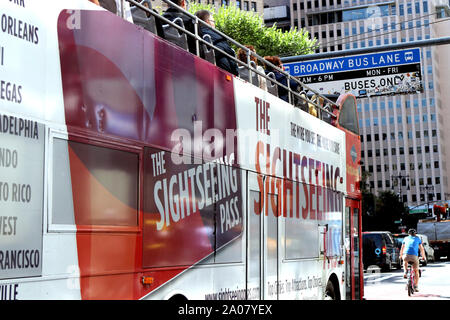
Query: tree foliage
389,209
248,27
382,212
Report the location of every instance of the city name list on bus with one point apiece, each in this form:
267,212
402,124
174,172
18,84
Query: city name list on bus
20,45
21,196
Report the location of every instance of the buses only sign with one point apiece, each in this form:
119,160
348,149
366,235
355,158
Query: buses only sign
364,75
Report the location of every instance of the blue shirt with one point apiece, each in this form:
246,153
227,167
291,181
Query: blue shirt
411,245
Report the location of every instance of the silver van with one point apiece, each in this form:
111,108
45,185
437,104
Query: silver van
429,251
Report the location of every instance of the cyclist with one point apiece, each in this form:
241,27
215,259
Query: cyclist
410,253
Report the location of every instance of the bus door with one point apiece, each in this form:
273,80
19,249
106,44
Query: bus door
353,235
262,237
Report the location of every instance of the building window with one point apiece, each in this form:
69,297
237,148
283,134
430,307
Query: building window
409,8
417,118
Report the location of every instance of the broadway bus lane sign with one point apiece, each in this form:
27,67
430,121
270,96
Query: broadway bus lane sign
393,72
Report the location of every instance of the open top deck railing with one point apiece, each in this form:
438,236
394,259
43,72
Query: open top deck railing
296,98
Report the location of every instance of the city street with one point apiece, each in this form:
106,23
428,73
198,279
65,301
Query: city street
433,285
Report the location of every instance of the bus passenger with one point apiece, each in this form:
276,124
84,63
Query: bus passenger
222,61
280,77
109,5
172,13
115,6
242,55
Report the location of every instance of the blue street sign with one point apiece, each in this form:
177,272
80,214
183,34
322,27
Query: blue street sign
353,63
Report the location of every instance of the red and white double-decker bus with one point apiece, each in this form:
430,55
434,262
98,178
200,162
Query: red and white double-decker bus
132,169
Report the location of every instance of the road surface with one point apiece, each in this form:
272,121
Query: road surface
433,285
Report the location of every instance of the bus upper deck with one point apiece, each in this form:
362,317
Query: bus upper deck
304,97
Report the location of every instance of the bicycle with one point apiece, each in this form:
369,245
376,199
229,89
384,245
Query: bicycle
410,286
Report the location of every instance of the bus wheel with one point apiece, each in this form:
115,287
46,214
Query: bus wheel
178,298
330,293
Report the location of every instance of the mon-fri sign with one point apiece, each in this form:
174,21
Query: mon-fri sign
393,72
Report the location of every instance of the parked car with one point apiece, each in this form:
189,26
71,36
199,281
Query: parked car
429,251
398,238
379,249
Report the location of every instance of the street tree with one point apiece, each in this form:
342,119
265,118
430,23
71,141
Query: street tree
368,203
389,210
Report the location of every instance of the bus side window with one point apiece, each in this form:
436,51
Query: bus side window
348,117
93,185
61,190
